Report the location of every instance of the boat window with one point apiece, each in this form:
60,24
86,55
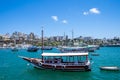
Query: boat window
64,59
82,58
76,59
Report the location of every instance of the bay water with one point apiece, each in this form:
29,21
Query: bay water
14,68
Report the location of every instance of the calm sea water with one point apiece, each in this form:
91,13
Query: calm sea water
14,68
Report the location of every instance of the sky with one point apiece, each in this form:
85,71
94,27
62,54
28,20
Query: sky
95,18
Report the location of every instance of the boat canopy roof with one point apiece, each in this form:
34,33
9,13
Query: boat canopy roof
64,54
65,47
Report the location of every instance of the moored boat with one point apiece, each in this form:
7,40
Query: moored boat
14,49
110,68
32,49
92,48
73,49
46,48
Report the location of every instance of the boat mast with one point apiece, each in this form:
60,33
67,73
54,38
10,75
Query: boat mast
42,42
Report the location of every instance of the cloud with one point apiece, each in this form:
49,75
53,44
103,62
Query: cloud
85,13
92,11
64,21
55,18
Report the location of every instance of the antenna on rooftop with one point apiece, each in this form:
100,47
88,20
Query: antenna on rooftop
72,34
72,37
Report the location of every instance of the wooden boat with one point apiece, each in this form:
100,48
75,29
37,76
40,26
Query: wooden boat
61,61
111,68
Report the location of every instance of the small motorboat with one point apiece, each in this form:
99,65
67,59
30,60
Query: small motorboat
110,68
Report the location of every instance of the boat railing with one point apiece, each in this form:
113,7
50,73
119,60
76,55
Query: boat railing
74,63
68,63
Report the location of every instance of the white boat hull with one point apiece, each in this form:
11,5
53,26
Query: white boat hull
111,68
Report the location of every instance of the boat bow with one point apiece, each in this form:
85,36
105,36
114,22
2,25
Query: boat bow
31,60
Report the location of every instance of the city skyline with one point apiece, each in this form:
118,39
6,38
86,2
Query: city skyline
93,18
